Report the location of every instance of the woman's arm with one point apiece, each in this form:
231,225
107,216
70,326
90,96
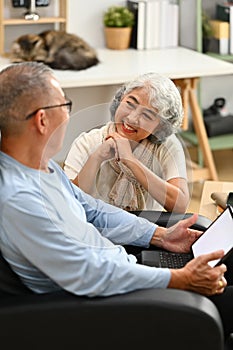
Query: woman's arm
173,194
87,175
84,159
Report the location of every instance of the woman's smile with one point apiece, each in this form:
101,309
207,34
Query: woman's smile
127,128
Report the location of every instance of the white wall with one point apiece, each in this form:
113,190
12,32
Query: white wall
85,18
213,87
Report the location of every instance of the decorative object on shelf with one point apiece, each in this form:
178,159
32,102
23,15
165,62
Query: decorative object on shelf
31,5
207,32
58,49
220,42
118,23
216,109
31,14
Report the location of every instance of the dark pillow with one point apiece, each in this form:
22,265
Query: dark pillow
217,125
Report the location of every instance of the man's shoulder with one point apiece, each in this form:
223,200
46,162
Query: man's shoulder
9,183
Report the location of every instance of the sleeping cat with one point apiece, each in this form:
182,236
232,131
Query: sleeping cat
58,49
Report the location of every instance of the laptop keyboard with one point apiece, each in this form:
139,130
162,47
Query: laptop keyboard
174,260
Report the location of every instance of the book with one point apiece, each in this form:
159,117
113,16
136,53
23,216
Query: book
219,46
156,24
224,12
221,37
152,30
138,30
164,23
133,7
221,29
141,25
172,25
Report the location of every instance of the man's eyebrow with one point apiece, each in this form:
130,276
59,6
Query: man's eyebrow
148,110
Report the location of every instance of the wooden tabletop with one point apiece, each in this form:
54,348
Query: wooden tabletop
119,66
208,207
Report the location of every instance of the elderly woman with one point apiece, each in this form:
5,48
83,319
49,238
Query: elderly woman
135,161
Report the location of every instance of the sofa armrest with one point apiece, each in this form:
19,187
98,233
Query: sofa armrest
167,219
168,318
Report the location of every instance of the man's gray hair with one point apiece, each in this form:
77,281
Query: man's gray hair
22,85
163,95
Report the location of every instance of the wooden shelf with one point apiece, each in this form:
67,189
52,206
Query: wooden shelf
218,142
18,21
60,20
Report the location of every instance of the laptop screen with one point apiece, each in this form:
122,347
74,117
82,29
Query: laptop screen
219,235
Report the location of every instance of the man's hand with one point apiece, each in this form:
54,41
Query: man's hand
177,238
198,276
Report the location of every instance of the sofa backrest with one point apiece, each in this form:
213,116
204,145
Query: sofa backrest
10,283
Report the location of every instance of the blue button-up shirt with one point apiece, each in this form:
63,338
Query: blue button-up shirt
55,236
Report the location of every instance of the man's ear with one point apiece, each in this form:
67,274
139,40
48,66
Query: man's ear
41,121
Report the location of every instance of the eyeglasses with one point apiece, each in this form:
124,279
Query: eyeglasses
67,104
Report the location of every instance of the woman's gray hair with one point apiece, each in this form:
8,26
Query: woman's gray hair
163,95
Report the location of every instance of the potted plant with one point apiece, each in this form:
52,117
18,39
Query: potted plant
207,32
118,22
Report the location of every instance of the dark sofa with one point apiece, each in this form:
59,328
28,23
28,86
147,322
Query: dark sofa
161,319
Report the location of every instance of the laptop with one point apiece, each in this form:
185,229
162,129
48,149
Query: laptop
219,235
